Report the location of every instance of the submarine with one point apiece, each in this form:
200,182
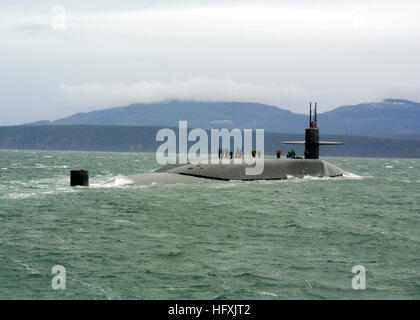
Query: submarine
273,168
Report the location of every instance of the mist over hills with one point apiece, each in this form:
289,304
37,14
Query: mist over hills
390,117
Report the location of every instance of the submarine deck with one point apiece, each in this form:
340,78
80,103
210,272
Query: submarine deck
274,169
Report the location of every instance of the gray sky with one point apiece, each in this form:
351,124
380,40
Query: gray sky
284,53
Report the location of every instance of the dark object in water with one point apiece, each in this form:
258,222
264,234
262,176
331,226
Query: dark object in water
79,178
311,142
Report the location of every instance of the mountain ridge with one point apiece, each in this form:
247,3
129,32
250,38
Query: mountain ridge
390,117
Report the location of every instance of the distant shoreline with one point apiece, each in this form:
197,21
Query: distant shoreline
97,138
151,152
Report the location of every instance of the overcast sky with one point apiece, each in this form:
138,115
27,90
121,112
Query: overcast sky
283,53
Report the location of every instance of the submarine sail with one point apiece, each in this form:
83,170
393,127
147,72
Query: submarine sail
312,141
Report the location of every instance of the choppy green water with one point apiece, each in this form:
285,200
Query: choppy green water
292,239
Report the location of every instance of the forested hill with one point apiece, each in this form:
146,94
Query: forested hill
143,139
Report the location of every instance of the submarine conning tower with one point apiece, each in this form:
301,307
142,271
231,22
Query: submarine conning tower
312,136
312,141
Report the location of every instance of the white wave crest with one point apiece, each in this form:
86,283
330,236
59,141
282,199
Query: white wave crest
118,181
349,175
268,294
346,175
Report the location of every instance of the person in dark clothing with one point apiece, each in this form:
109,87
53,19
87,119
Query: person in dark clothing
291,154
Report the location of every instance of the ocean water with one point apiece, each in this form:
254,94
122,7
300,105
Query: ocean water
290,239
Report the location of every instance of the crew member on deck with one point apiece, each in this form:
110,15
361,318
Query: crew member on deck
291,154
